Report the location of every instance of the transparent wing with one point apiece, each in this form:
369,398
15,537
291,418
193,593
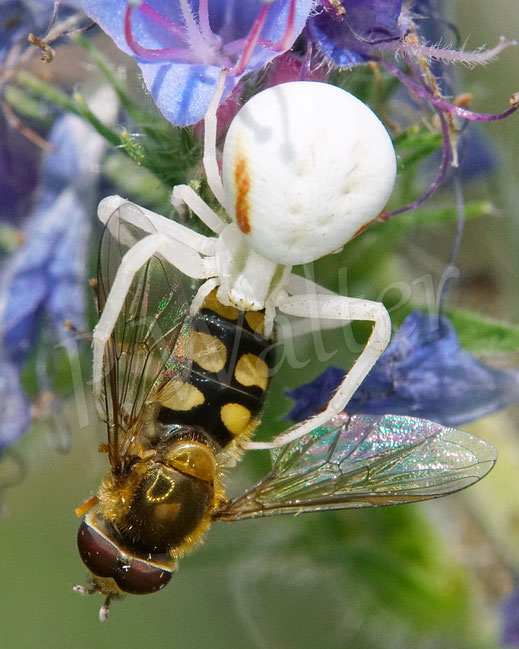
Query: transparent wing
142,353
365,461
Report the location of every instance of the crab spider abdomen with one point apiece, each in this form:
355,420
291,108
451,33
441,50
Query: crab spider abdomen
306,166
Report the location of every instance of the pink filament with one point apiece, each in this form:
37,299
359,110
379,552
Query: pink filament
247,45
250,43
203,19
161,20
179,53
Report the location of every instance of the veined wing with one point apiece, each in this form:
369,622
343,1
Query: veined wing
365,461
140,355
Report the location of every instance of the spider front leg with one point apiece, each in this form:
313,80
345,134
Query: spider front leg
117,213
342,309
186,259
183,194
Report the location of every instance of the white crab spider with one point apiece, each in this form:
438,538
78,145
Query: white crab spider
305,166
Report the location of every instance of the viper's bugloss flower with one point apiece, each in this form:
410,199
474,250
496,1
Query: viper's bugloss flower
423,373
181,46
19,160
42,283
351,32
16,408
510,619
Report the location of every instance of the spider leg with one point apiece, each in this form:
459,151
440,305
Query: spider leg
295,327
116,213
184,194
188,262
341,309
210,161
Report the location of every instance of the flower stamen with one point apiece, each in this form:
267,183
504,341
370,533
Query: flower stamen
443,105
288,35
247,45
194,36
203,20
179,53
161,20
250,43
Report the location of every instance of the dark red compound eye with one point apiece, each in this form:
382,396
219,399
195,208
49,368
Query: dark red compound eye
140,577
99,555
105,559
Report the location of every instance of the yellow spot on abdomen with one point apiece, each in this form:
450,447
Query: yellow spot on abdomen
235,417
209,352
256,321
251,370
242,180
178,395
212,302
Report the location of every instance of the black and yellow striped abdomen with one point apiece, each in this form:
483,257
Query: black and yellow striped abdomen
225,388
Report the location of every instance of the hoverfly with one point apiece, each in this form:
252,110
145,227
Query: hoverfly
180,394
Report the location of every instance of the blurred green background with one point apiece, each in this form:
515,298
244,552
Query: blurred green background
424,576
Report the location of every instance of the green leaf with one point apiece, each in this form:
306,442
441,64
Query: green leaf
416,137
479,334
128,104
448,214
27,105
42,89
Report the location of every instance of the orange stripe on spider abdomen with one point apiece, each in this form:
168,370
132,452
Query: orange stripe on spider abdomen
242,180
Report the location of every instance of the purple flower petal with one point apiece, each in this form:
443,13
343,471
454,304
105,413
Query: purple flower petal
43,282
423,373
18,174
16,409
349,38
183,85
510,618
66,270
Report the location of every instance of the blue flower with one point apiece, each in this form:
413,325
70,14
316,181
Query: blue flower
478,155
43,282
19,157
348,33
18,173
16,409
181,46
423,373
510,618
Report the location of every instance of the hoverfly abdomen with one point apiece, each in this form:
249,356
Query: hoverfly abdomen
225,388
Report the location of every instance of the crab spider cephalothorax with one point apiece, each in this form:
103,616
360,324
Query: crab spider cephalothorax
306,166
